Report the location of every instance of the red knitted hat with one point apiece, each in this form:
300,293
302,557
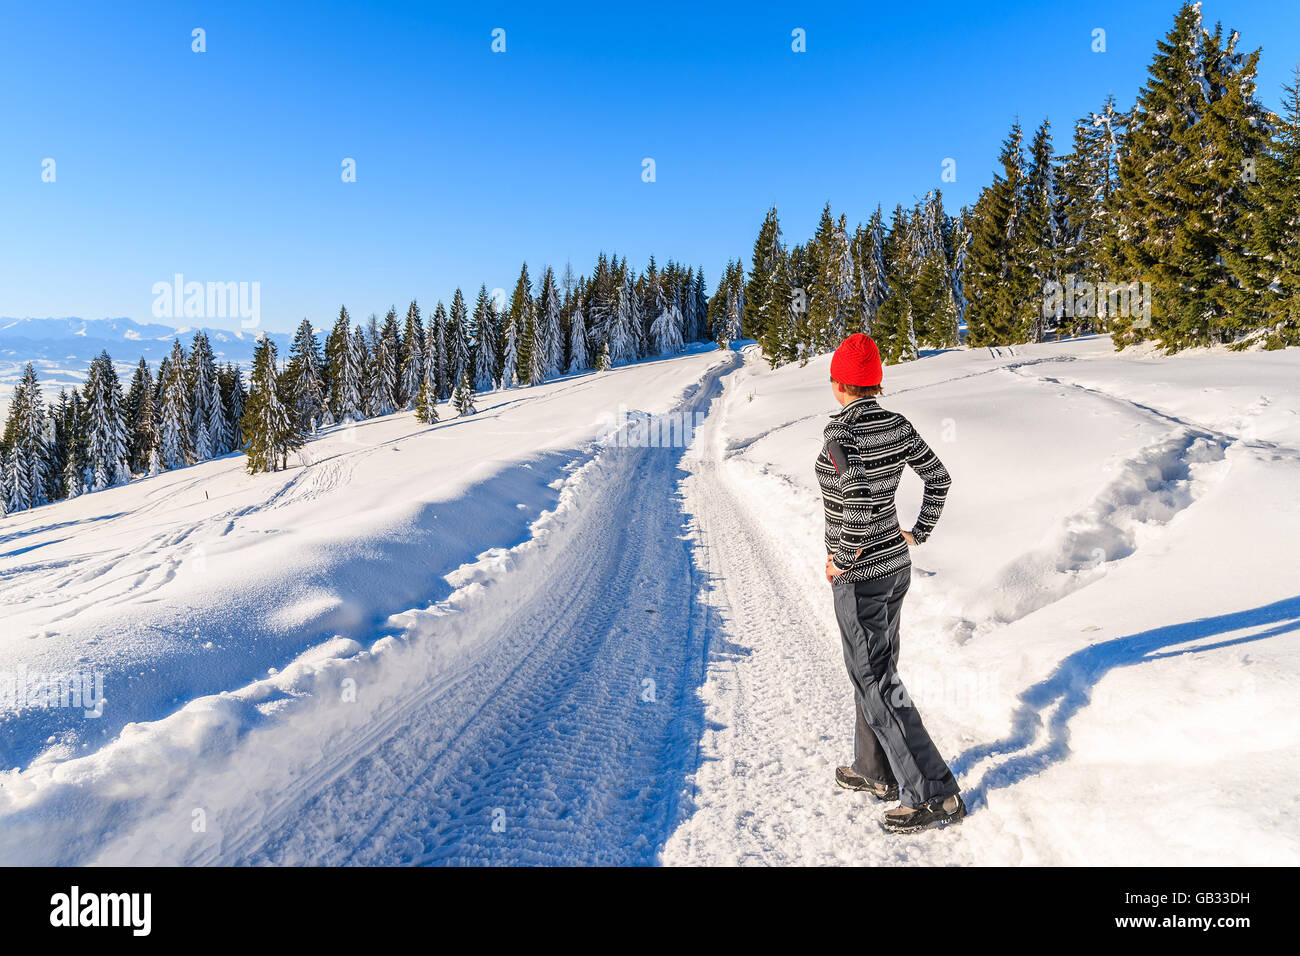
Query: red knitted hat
857,362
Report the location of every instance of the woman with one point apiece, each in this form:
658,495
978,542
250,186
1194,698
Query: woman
863,452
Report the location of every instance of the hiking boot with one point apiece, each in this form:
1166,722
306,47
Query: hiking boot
850,779
938,812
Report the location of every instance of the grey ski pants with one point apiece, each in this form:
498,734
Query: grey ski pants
890,744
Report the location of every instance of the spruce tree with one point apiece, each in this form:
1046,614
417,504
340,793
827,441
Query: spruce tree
413,348
106,425
304,381
436,337
14,487
142,427
509,362
666,330
626,318
57,460
873,286
997,286
485,355
1038,236
344,371
516,352
362,359
957,274
896,334
199,376
385,352
175,449
762,314
701,330
77,472
579,356
219,428
769,295
269,430
26,446
234,396
464,398
1088,177
550,360
1275,217
1182,201
458,339
426,402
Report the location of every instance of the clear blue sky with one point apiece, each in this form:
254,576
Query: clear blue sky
225,165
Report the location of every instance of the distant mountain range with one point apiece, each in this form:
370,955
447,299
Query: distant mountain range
61,349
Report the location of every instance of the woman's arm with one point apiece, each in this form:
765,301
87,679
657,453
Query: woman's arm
922,460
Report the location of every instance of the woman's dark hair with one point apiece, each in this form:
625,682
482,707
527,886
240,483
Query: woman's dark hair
860,391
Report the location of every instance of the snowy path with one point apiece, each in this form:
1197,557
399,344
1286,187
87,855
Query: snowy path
569,734
779,702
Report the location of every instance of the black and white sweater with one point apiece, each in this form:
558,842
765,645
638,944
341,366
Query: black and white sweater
863,452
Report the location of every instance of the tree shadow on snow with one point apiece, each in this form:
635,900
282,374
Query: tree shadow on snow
1069,687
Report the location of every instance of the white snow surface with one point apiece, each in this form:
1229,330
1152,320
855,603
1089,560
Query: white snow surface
518,638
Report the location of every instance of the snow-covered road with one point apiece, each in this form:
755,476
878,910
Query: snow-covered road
570,736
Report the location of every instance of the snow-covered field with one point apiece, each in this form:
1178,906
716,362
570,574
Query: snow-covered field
509,639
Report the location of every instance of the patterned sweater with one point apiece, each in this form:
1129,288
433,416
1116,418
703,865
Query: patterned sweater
859,467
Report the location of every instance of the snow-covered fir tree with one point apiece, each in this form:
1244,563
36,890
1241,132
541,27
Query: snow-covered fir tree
25,445
385,351
998,285
304,379
219,430
202,370
1275,216
459,336
234,396
426,398
106,426
1182,203
509,361
412,363
579,357
362,358
517,350
269,431
1040,232
666,330
142,424
464,397
873,287
621,341
485,341
174,410
436,336
76,469
550,335
343,371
